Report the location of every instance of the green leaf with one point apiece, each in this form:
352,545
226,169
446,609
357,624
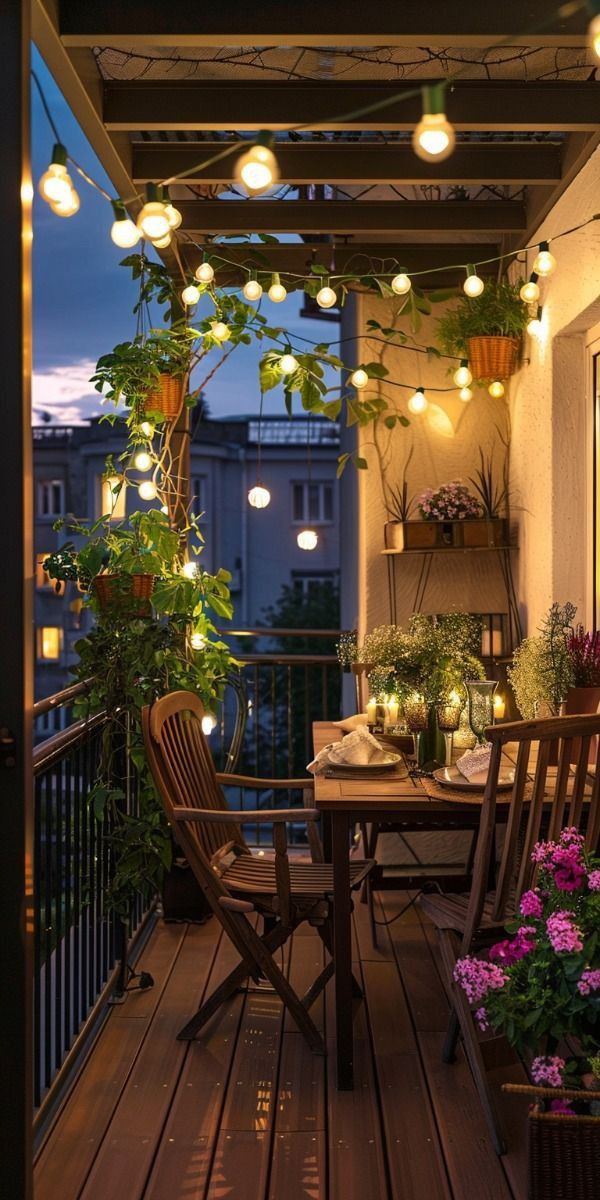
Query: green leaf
361,463
342,464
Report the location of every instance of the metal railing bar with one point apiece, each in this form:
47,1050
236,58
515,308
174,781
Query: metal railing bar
53,748
62,698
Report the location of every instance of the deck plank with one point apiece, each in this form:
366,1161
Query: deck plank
357,1169
427,998
298,1167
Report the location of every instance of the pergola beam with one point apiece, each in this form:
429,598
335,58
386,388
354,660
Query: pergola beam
350,216
357,163
313,23
483,105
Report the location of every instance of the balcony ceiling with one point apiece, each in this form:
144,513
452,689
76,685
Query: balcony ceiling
158,88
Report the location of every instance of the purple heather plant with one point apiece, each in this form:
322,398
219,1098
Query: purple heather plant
449,502
584,651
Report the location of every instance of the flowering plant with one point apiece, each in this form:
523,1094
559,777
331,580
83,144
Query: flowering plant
542,983
450,502
584,652
432,657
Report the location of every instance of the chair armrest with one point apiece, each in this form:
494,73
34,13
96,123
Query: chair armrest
249,782
219,816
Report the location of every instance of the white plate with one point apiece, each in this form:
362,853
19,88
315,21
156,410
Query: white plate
386,762
450,777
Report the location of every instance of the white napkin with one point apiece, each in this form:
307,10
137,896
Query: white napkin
357,748
476,761
349,724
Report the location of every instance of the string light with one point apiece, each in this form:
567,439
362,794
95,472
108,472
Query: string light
473,285
401,284
418,401
142,461
276,292
252,289
326,297
530,291
190,570
496,389
534,324
68,207
462,375
173,215
55,184
359,378
197,641
147,428
147,490
220,331
545,262
205,273
153,221
433,138
257,169
123,231
465,394
307,539
190,295
259,496
208,724
594,35
162,243
288,364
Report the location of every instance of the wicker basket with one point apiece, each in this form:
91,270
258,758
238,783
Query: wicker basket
167,398
494,357
108,591
564,1152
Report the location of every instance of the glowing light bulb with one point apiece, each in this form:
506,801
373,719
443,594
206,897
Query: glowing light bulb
190,570
326,297
277,292
205,273
545,262
465,394
252,290
496,389
530,291
68,207
190,295
147,428
208,724
198,641
123,231
594,35
152,221
259,496
173,215
307,539
433,138
257,169
142,461
534,324
164,508
359,378
462,375
163,242
401,284
147,490
418,401
220,331
288,364
55,185
473,285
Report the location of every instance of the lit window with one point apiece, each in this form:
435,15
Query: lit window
312,502
51,498
49,643
43,580
112,503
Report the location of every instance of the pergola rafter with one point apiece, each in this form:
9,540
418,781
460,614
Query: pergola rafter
350,216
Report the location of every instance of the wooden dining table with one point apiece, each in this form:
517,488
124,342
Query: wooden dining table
387,799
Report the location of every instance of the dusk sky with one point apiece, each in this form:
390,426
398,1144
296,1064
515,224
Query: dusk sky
83,300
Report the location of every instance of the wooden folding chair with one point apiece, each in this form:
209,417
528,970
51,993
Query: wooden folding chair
234,881
539,805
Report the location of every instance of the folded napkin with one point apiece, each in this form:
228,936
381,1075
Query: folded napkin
476,761
349,724
356,749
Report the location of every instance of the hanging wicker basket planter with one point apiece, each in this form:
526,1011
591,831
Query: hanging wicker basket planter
494,357
167,397
123,589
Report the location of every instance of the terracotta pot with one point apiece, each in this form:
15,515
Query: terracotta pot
494,357
167,398
582,700
140,588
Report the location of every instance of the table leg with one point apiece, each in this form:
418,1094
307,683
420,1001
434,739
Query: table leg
342,945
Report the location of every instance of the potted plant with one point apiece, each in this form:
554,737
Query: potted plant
492,528
445,509
542,667
541,987
150,373
487,330
400,533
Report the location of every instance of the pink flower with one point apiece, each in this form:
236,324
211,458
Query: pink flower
563,933
561,1106
508,952
477,977
531,905
569,872
594,881
541,853
589,982
481,1018
571,836
547,1071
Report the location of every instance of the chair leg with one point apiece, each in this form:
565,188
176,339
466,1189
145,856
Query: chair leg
292,1002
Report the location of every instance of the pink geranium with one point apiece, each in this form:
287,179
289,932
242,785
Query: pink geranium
531,905
565,936
509,952
594,881
569,872
547,1070
589,982
477,978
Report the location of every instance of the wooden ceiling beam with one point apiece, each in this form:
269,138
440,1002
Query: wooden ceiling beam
357,163
313,23
350,216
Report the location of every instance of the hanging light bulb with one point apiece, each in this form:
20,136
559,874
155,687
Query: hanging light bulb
401,284
123,230
55,185
534,324
465,394
473,285
190,295
252,290
147,490
594,35
147,428
68,207
496,389
259,496
307,539
433,138
197,641
276,292
164,508
220,331
545,262
152,220
208,724
205,273
142,461
418,401
530,291
359,378
190,570
326,297
462,375
163,242
257,169
172,214
288,364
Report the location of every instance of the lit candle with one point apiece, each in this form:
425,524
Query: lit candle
392,711
499,708
371,712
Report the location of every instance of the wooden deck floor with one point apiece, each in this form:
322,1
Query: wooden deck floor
248,1113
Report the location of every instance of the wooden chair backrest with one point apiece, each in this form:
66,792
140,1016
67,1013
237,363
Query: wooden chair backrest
535,796
184,772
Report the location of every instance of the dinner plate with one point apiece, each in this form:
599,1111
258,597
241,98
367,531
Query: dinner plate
387,761
450,777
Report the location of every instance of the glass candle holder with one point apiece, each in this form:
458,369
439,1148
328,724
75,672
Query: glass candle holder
448,715
481,705
416,715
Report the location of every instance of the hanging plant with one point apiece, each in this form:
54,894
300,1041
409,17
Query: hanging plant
487,330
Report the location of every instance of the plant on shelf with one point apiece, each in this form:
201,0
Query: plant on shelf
542,670
466,330
399,504
449,502
492,494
